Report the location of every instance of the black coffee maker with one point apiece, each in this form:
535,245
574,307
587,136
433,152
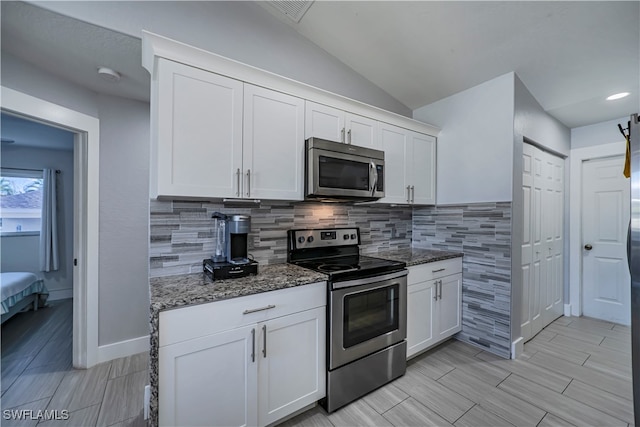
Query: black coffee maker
230,258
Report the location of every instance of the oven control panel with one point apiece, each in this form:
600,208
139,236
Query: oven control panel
321,238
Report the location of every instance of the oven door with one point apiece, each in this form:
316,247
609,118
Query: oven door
366,315
341,175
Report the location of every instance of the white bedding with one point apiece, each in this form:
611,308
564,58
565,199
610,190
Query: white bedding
14,283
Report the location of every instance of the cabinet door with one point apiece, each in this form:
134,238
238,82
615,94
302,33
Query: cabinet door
420,310
395,143
292,370
323,122
448,311
423,168
361,131
273,151
210,380
198,145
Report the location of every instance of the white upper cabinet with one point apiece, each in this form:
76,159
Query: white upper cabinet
198,120
337,125
273,145
395,143
423,167
221,129
221,138
323,122
410,166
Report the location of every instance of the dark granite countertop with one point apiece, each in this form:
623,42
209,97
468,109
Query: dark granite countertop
187,289
176,291
417,256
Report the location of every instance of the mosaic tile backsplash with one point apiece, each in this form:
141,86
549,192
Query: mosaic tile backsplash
482,231
181,232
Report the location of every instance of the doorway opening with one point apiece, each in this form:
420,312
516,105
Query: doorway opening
85,130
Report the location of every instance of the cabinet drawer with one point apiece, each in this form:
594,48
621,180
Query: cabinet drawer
199,320
433,270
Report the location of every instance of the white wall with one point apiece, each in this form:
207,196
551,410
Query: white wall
124,195
124,218
21,253
598,134
239,30
475,146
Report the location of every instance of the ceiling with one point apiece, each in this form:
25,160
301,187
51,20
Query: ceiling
570,55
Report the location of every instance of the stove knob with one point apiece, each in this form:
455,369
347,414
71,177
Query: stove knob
310,239
354,236
301,239
345,237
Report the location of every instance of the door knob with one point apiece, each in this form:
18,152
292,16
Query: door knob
588,247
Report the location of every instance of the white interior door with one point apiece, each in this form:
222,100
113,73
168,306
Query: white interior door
605,215
542,239
532,259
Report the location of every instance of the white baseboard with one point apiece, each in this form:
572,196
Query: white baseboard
567,310
517,347
123,349
58,294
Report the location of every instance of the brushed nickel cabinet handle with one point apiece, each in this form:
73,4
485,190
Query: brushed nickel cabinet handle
435,298
238,178
248,182
253,310
253,345
440,293
408,194
438,270
349,136
413,193
342,135
264,335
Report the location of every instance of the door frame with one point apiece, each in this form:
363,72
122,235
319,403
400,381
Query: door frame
86,211
577,157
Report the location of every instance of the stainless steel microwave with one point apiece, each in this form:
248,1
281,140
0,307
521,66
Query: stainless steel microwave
342,172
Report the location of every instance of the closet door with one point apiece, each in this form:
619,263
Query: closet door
532,260
542,243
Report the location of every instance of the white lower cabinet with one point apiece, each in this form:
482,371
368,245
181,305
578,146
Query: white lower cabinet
434,304
253,374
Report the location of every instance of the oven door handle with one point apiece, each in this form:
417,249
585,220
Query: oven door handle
369,280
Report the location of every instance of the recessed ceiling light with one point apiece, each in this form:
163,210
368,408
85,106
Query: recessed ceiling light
617,96
108,74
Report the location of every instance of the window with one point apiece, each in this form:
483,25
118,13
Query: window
20,202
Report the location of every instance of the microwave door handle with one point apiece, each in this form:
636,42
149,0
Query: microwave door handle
373,172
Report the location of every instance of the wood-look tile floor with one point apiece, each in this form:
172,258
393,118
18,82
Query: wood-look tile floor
576,372
37,375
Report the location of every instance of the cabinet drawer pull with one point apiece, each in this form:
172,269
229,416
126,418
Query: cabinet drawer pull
435,297
438,270
253,310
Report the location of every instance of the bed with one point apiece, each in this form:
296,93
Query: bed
19,291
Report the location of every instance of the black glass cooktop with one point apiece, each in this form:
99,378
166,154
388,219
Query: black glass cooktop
351,267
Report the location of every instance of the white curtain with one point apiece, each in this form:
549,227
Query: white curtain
49,259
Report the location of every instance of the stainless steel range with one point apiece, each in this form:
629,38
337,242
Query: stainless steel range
366,311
